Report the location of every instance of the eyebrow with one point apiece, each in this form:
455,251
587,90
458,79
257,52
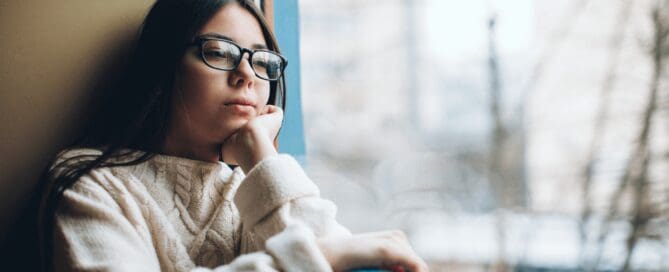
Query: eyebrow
223,37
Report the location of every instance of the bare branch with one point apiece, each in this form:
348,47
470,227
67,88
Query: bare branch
615,46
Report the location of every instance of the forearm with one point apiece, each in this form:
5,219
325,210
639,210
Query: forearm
282,213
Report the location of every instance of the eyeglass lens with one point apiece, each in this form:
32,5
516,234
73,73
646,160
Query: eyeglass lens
226,56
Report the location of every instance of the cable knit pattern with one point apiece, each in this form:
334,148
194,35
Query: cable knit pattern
177,214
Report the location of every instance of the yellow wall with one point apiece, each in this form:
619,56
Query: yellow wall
52,55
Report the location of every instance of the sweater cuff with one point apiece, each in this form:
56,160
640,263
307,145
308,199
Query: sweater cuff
271,183
295,250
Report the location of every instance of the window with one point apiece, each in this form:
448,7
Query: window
468,124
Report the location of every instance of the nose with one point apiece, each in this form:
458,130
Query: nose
243,76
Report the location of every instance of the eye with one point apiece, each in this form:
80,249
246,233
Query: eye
220,58
260,62
217,53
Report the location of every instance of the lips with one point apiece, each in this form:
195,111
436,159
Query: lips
240,102
240,106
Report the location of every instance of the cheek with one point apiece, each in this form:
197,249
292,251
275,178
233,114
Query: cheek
199,78
263,90
198,85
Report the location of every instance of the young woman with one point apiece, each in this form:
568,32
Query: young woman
149,188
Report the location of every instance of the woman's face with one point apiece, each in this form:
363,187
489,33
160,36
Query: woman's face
209,104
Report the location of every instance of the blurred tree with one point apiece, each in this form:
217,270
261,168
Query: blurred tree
635,182
607,86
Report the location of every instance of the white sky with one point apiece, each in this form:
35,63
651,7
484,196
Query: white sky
457,29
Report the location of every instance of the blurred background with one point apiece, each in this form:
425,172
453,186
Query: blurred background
500,135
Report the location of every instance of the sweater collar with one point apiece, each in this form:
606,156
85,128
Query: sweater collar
168,160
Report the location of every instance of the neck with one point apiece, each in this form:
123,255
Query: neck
186,148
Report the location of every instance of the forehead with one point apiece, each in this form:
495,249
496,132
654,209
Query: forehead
237,23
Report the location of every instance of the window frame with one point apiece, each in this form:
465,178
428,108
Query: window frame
286,28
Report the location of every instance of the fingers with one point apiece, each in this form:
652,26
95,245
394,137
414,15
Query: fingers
271,113
404,259
270,118
255,140
399,254
388,249
274,112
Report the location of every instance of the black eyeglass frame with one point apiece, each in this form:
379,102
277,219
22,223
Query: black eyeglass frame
200,42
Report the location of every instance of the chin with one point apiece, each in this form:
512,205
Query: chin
230,126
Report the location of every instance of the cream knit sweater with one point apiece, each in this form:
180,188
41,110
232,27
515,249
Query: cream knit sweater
176,214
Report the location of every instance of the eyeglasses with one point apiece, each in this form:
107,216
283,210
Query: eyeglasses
225,55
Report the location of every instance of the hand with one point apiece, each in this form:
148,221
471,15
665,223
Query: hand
388,250
255,140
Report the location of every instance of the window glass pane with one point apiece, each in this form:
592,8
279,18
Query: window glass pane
471,124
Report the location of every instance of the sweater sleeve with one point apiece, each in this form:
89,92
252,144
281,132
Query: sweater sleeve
282,213
93,232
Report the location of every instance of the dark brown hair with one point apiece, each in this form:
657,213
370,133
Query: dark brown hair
135,113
